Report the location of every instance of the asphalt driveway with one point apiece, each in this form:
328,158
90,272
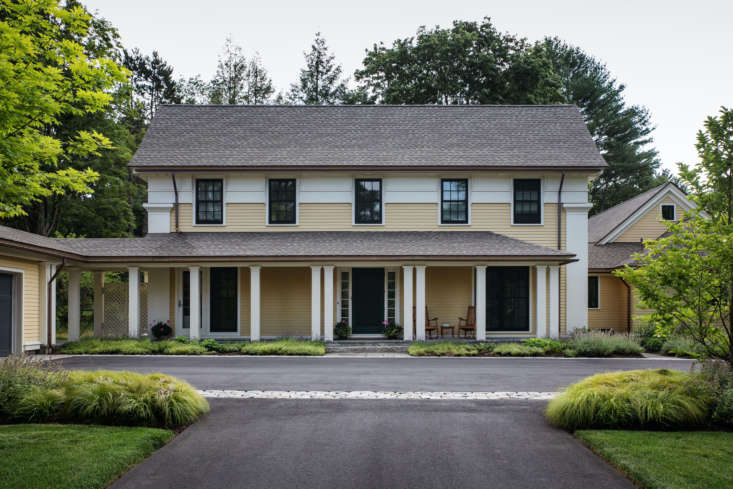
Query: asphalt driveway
373,444
376,374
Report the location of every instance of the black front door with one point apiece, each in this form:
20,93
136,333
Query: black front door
6,313
507,299
223,300
367,299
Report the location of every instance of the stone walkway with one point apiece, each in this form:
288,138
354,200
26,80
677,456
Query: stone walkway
380,395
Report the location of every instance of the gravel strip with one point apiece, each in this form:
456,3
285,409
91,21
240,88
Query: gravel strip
377,395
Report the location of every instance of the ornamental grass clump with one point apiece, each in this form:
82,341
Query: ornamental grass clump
649,399
600,344
285,347
33,393
448,349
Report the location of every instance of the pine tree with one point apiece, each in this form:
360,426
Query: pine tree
229,83
320,81
259,87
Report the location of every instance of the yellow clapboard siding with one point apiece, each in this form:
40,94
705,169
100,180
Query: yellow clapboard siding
31,296
612,310
650,226
449,292
244,302
286,301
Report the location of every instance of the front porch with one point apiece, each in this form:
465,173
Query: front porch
244,301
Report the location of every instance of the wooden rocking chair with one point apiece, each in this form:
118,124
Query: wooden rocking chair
431,324
468,324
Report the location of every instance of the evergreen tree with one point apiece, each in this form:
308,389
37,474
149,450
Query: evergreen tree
259,87
622,132
151,82
229,85
320,81
194,90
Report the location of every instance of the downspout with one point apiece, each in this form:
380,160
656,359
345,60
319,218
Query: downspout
559,243
628,306
49,302
175,207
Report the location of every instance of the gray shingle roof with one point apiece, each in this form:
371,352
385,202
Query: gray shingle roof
367,136
331,244
605,222
612,255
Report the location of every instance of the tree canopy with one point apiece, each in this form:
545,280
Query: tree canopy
320,80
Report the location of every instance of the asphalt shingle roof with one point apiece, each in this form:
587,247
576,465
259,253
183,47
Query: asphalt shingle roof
367,136
612,255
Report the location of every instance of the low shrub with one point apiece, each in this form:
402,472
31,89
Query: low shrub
679,346
598,344
342,330
285,347
449,348
549,346
175,348
518,350
649,338
161,330
32,393
718,376
121,346
392,330
635,399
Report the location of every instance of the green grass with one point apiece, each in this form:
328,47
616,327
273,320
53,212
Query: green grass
183,346
285,347
667,460
72,456
634,399
448,348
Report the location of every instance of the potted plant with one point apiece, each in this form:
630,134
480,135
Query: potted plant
342,330
392,330
161,330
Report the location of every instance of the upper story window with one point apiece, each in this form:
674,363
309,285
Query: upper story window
668,212
209,201
527,201
454,201
593,292
281,205
368,201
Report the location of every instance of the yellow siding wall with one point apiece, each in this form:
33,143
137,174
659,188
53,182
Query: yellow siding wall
244,305
286,301
650,226
449,292
31,296
612,311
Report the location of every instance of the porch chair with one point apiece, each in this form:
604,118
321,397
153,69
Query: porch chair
431,324
468,324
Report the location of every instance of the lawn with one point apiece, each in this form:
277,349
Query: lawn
49,456
667,459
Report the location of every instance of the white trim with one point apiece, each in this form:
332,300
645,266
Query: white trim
395,270
469,202
407,282
328,303
661,214
480,311
598,289
554,305
381,202
254,302
542,202
673,192
194,321
316,302
541,301
297,201
194,192
420,302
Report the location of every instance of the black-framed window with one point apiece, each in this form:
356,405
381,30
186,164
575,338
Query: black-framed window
209,201
507,299
668,212
593,293
527,201
454,201
281,201
368,201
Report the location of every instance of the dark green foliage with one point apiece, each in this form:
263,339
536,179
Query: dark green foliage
392,331
342,330
320,81
719,377
45,456
468,63
161,330
635,399
650,338
549,346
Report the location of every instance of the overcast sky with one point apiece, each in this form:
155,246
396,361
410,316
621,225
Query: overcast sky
675,56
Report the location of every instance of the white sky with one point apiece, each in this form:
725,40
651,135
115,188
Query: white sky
675,56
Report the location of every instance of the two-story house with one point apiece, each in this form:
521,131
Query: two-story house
270,221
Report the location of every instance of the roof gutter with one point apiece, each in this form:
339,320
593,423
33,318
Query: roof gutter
559,238
380,168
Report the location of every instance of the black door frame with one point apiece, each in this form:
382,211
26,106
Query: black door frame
503,300
16,308
354,298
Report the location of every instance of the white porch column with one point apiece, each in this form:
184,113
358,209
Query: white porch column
133,302
420,302
328,303
316,302
576,273
407,301
555,301
98,303
481,302
74,304
194,322
541,301
254,303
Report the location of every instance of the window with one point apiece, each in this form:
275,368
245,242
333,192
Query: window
281,201
593,293
527,201
668,213
345,303
209,202
454,202
391,297
368,201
